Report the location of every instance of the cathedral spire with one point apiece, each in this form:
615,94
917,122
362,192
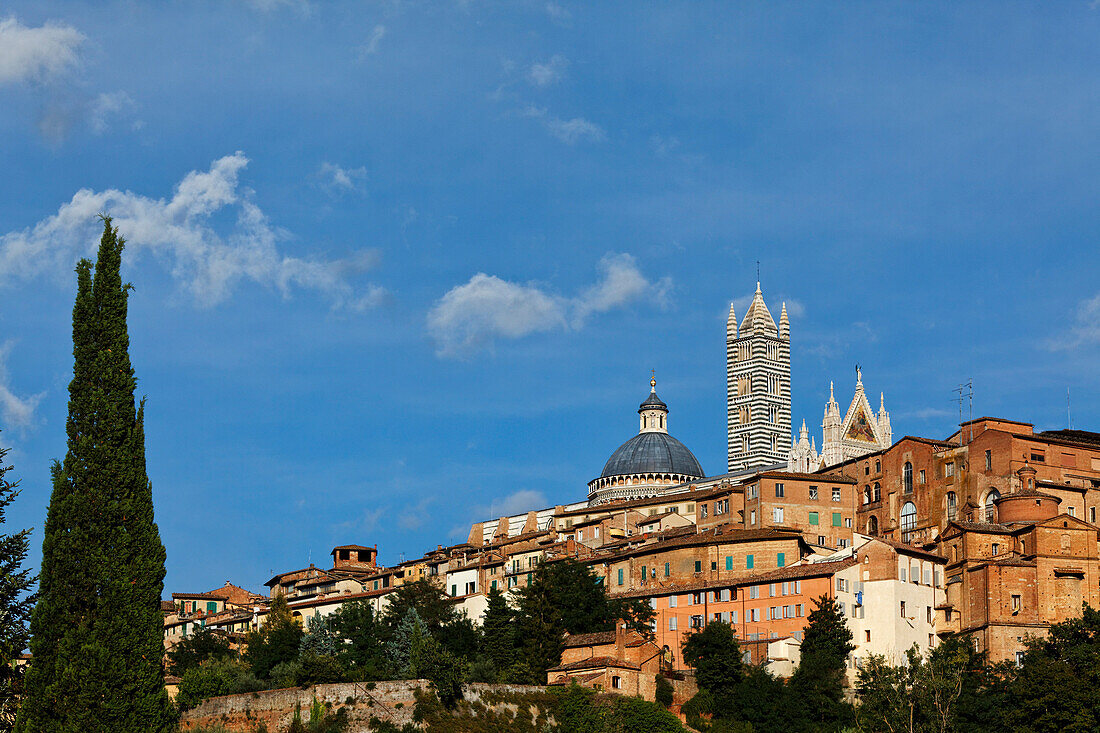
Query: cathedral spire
784,325
731,323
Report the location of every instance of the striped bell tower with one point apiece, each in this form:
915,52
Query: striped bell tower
758,387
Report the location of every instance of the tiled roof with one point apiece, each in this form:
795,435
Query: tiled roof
910,549
593,639
204,596
352,547
794,572
983,527
593,663
723,533
167,606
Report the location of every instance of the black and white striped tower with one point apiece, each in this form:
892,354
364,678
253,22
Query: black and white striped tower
758,387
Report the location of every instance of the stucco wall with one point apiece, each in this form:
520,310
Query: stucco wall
393,701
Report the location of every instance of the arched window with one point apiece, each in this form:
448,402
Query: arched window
991,504
952,504
878,466
908,519
867,495
878,492
872,525
907,477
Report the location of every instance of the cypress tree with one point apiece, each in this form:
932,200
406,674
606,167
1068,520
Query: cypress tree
97,629
15,602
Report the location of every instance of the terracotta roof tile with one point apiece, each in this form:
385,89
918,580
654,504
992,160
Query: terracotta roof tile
593,639
593,663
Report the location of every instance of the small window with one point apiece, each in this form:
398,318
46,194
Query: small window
996,549
903,609
867,636
907,477
836,493
813,493
989,460
878,467
729,562
620,576
672,623
779,490
780,560
952,504
813,518
836,519
666,569
848,522
777,515
948,469
672,601
921,476
1016,605
749,561
616,682
698,566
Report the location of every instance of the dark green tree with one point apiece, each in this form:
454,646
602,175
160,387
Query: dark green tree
429,660
715,656
360,647
498,641
276,642
565,596
193,650
817,686
1058,686
16,602
434,608
97,628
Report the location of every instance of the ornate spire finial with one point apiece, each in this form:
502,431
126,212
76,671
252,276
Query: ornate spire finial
859,376
830,390
653,381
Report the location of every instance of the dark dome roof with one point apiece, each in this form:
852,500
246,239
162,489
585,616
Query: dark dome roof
651,402
652,452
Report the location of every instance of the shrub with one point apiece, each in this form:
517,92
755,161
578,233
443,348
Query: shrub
213,678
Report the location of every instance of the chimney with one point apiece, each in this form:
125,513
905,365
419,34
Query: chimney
620,640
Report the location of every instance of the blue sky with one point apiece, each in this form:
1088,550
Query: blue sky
400,262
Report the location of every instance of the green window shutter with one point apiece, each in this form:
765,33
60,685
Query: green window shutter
836,519
729,562
494,585
748,561
666,569
643,572
528,578
698,566
780,560
454,590
212,606
813,517
620,576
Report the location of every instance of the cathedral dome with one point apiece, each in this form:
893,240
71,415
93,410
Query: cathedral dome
652,452
647,464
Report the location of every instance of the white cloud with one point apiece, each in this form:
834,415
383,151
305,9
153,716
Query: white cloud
301,6
15,412
370,46
181,231
575,130
621,283
474,315
561,14
340,179
37,54
108,105
1087,328
470,316
568,131
547,73
518,502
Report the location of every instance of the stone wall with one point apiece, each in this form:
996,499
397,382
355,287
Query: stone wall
392,701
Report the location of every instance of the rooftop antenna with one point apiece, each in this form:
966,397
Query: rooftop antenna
1069,415
758,271
966,392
